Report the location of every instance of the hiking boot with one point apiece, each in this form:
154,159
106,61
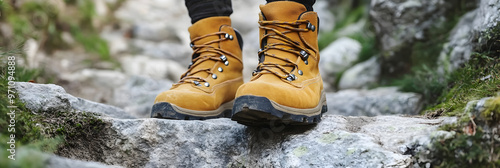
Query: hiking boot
208,88
286,87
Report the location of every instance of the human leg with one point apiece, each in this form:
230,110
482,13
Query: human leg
286,86
208,87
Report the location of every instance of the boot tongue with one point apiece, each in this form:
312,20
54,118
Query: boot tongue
207,26
203,27
282,11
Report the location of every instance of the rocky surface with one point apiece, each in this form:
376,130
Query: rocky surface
137,96
339,141
379,101
60,162
53,98
337,57
459,49
361,76
38,159
363,128
399,23
466,35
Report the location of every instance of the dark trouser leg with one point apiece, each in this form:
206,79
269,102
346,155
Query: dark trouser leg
307,3
201,9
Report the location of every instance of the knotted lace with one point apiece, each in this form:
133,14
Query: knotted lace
209,53
292,46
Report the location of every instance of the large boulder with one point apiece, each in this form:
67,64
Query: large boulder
137,96
374,102
337,57
340,141
476,31
52,98
400,23
361,76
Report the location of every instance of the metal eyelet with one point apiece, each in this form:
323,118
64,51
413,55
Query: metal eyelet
191,45
300,72
291,77
226,63
254,72
214,76
220,69
207,84
196,83
304,54
306,62
190,64
228,36
223,58
311,27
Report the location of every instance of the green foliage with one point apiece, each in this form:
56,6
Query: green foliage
476,142
43,21
492,113
368,47
424,80
27,133
466,151
92,43
477,79
41,132
352,16
352,13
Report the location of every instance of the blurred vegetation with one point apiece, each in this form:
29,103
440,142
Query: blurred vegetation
28,133
424,77
476,141
55,25
40,132
352,20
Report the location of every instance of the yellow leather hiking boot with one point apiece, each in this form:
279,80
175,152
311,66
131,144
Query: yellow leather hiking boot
286,87
208,88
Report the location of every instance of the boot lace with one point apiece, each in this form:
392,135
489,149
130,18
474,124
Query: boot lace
293,47
215,54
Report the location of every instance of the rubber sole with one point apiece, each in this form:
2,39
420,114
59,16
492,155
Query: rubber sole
169,111
260,111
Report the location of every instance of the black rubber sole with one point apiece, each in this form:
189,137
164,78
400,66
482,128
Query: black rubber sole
166,111
259,111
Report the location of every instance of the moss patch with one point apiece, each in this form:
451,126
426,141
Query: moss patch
41,132
476,141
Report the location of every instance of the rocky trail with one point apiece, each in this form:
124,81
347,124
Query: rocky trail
339,141
102,104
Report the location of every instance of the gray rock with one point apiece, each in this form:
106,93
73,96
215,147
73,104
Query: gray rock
379,101
166,143
399,23
53,98
339,141
488,15
61,162
337,57
361,75
152,67
469,33
28,156
179,52
156,21
326,18
459,48
136,97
